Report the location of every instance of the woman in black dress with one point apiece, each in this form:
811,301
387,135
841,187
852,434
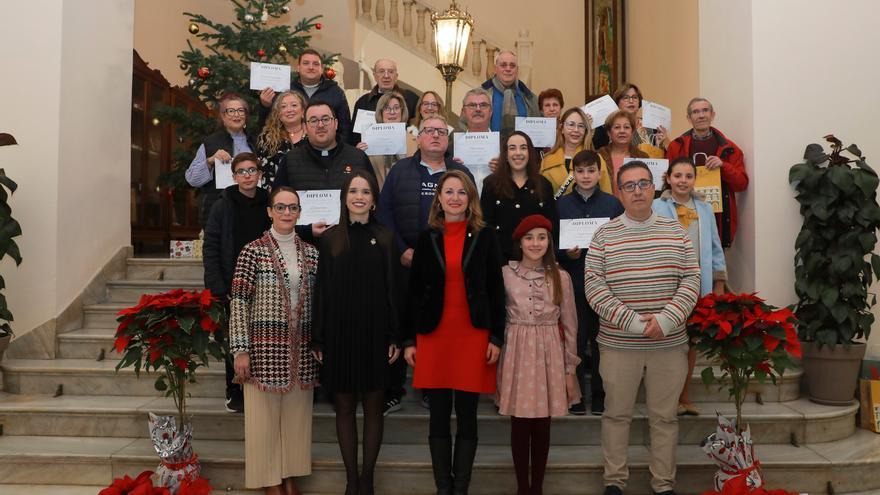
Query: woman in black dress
355,327
515,190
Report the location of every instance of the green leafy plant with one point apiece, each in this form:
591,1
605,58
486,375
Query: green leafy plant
9,230
834,259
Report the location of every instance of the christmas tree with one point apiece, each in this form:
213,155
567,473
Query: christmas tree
258,35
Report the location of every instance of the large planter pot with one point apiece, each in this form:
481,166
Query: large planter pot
4,344
830,373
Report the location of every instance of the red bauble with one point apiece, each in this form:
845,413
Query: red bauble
330,73
261,52
204,72
318,26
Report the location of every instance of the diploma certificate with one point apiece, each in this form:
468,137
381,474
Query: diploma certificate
319,205
476,149
578,232
385,139
363,120
655,115
599,109
223,174
272,76
541,130
658,167
709,184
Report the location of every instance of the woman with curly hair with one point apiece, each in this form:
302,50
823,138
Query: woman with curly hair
284,128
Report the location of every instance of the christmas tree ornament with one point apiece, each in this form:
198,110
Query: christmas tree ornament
318,26
248,18
265,15
193,28
204,72
156,121
192,82
261,52
183,66
285,9
330,73
282,48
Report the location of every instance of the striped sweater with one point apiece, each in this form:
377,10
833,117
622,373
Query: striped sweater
639,268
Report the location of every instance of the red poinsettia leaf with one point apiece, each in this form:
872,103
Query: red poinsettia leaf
208,324
155,355
199,486
142,489
205,298
121,343
770,342
181,363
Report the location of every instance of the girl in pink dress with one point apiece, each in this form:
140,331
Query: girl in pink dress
537,372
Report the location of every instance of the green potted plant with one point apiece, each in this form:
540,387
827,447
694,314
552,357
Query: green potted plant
9,229
835,265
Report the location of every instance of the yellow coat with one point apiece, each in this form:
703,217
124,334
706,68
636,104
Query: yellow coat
553,168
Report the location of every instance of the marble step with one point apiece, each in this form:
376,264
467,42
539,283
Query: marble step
130,291
112,416
102,315
87,343
848,465
164,269
90,377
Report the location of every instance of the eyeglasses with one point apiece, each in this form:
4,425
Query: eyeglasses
394,109
507,65
631,186
385,72
246,172
435,131
325,121
473,106
235,111
629,97
281,207
431,104
574,125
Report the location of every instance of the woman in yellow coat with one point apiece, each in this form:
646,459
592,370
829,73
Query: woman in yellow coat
575,134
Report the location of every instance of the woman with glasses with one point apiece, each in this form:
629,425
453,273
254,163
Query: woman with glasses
391,108
270,328
355,329
454,324
430,104
574,135
218,150
515,190
284,128
620,126
652,141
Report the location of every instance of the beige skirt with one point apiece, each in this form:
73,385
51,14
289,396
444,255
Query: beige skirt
277,435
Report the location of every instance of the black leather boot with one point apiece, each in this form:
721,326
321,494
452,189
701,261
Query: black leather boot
441,462
463,464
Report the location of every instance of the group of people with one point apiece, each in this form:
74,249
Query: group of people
469,289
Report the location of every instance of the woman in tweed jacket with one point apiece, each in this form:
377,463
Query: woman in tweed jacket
270,337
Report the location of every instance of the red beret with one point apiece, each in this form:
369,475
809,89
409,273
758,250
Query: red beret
531,222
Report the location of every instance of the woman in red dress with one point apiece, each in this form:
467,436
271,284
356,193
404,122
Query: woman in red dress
454,324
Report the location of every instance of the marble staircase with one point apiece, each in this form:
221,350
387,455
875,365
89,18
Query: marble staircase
71,424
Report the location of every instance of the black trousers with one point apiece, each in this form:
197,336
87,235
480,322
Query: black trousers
588,329
233,390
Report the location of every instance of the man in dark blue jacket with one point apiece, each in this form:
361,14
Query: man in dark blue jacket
404,204
237,218
586,201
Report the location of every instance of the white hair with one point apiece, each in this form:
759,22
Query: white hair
502,52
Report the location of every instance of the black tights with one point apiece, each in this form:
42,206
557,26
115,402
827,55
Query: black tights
529,436
441,402
346,433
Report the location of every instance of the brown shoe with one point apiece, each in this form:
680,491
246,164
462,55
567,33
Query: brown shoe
687,409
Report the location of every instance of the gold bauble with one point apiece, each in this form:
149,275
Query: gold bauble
193,28
282,49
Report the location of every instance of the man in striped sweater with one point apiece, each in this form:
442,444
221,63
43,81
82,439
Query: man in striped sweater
643,280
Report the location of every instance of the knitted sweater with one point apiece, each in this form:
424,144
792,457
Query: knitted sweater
639,268
264,323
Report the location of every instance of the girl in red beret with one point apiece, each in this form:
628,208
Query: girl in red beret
537,371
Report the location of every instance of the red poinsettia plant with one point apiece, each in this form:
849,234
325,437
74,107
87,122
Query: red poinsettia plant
739,486
143,485
747,337
173,333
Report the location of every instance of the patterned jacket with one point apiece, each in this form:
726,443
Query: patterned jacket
262,323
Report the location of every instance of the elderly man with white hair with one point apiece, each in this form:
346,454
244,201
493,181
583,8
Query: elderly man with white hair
511,98
385,73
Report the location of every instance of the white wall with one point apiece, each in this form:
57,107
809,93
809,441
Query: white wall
71,117
782,75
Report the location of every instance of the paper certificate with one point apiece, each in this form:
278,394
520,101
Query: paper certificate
320,205
599,110
541,130
709,184
385,139
578,232
655,115
363,120
272,76
223,174
476,149
658,167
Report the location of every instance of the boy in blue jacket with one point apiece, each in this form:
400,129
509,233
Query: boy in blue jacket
586,201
